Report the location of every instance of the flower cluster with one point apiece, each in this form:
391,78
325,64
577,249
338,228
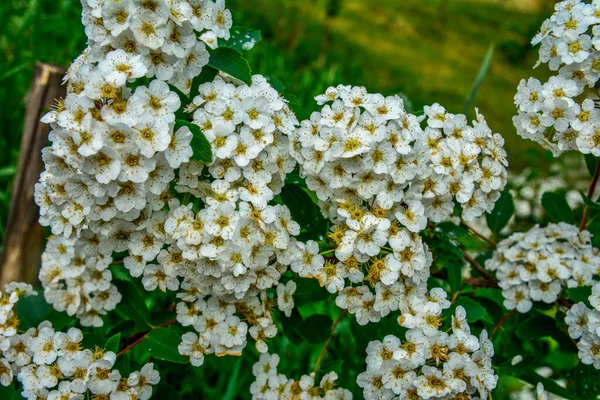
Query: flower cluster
269,385
380,177
584,325
365,148
430,364
538,264
114,149
53,364
561,114
76,278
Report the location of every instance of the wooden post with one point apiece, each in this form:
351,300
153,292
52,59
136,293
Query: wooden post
23,239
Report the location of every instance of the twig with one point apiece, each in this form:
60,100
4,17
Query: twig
480,282
502,321
478,234
477,266
591,191
335,324
144,335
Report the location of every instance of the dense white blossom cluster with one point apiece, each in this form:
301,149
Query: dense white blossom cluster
380,177
54,365
270,385
561,114
114,149
431,364
538,264
584,326
364,148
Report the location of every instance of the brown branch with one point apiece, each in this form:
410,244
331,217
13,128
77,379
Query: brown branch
502,321
478,234
24,236
481,282
477,266
143,336
591,191
322,354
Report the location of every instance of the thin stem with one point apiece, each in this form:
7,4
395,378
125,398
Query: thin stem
327,251
502,321
322,354
591,191
478,234
477,266
144,335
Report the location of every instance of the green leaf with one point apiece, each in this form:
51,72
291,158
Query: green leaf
10,392
537,326
241,38
452,229
231,62
32,311
502,212
208,74
580,294
309,291
162,344
316,328
557,208
454,275
549,385
591,163
304,211
200,145
587,384
132,306
589,202
492,294
475,311
363,335
185,100
289,325
485,65
112,344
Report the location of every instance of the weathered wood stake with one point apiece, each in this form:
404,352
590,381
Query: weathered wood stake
23,239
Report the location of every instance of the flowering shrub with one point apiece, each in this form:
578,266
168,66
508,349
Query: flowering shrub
192,214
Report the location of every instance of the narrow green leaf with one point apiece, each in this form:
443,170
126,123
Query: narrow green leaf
316,328
162,344
232,391
557,208
589,202
241,38
454,275
485,65
502,212
231,62
591,163
112,344
200,145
